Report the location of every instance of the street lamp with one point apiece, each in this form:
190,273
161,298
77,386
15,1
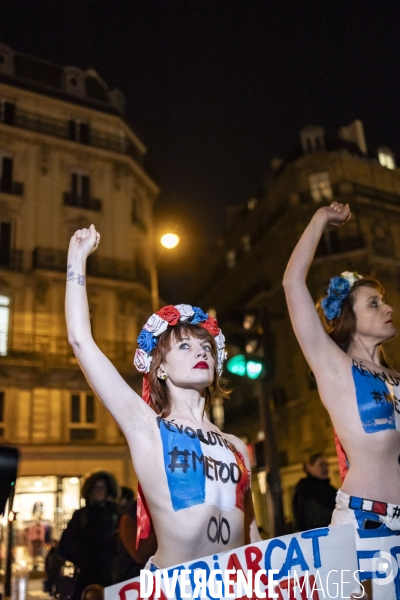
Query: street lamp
168,241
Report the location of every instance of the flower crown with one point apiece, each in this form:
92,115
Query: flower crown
339,288
170,316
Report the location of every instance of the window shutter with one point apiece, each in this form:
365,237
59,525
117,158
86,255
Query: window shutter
5,244
85,187
6,178
9,113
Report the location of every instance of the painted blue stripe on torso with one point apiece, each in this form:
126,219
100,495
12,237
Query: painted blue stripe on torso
185,474
374,402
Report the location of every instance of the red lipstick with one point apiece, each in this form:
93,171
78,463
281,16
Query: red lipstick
201,365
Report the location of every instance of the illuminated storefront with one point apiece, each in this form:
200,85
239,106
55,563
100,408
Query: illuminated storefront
43,507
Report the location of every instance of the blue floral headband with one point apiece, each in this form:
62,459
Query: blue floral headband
339,288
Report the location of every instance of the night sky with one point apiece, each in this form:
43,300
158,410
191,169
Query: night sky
216,88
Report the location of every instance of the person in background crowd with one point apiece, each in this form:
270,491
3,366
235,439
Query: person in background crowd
89,541
52,567
93,592
314,497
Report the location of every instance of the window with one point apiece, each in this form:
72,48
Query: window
386,158
83,422
312,138
7,112
6,167
78,131
5,244
231,259
80,194
246,243
320,187
4,322
80,189
137,214
2,410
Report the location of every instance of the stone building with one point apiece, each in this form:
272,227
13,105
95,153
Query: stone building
68,158
250,261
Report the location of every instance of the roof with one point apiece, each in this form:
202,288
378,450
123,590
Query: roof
70,83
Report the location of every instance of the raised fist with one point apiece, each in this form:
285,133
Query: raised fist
85,241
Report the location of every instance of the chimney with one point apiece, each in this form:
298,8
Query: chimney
354,132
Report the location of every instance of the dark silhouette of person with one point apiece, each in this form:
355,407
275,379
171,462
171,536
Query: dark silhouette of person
314,497
89,539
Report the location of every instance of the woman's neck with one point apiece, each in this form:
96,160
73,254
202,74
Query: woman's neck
187,404
364,350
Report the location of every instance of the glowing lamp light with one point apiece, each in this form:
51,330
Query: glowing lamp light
170,240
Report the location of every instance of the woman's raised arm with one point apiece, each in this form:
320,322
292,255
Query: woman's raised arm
305,320
110,387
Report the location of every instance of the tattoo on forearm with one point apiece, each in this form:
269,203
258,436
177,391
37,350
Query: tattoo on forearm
218,531
81,279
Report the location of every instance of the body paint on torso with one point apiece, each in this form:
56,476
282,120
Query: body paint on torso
378,398
202,469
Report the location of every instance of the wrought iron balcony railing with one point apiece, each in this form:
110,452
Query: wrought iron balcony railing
12,260
109,268
16,188
60,129
32,345
71,199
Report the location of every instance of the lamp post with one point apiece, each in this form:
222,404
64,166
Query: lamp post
168,241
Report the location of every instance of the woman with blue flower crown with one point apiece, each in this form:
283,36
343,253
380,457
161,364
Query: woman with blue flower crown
194,479
343,347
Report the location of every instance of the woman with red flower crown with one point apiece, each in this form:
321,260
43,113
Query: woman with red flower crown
194,479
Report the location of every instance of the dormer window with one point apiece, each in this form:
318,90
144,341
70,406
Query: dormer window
312,138
320,187
386,158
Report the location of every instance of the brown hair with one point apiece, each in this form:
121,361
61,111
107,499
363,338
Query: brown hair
95,589
342,328
158,387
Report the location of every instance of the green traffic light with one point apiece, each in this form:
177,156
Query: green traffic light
237,365
253,369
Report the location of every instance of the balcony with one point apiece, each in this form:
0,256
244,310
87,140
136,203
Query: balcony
34,346
71,199
12,260
333,244
97,266
60,129
15,188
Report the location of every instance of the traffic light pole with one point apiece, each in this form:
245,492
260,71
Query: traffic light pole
271,459
9,557
271,454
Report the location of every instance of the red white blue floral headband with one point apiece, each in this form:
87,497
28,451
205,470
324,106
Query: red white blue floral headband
170,316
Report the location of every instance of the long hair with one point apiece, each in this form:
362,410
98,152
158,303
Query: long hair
159,392
343,328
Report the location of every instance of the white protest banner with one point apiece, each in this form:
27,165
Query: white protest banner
315,564
379,557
